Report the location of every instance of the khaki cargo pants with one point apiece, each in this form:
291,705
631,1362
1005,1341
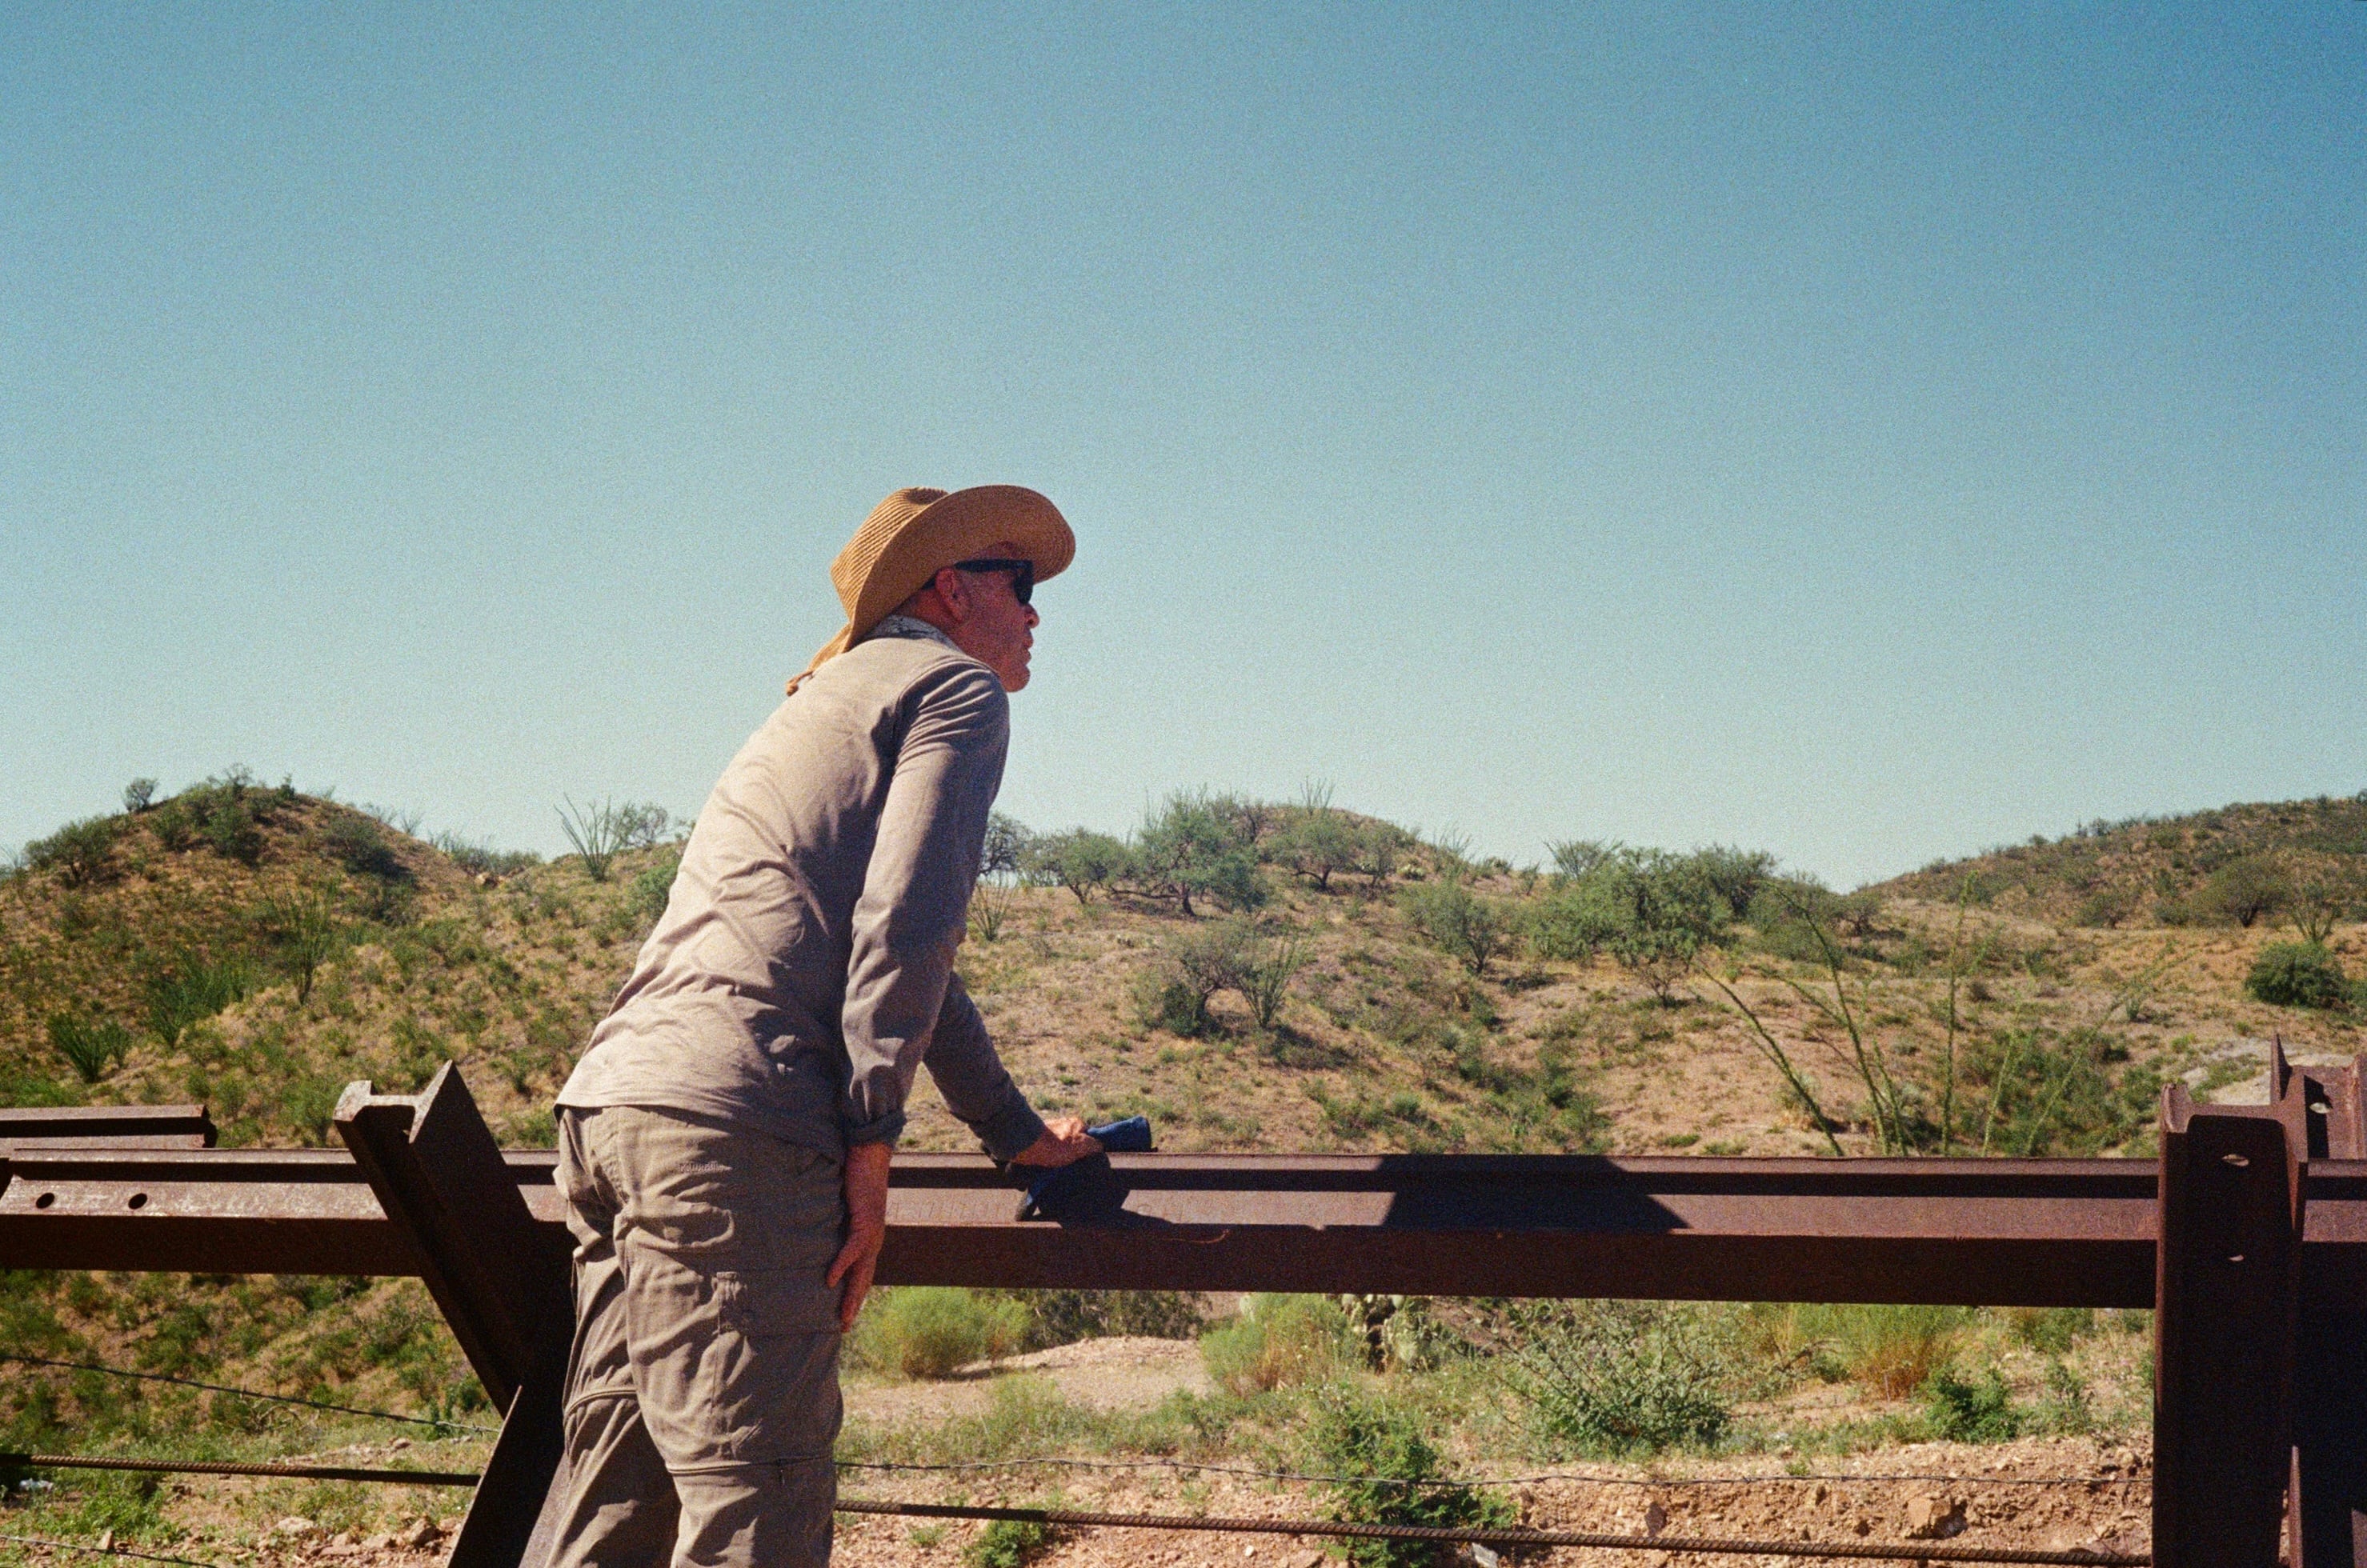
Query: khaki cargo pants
702,1388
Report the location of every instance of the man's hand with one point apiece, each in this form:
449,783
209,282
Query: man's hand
1064,1143
866,1228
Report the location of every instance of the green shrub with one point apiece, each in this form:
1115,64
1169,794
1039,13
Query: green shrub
175,824
1470,928
1266,971
1318,843
1007,1543
228,812
1063,1317
2299,975
79,851
599,832
1547,1108
648,894
1653,911
927,1331
1162,1000
1210,958
1005,847
480,858
1891,1350
1572,921
2033,1092
1080,860
1734,875
643,826
1391,1475
1963,1412
190,987
138,795
1194,846
1278,1340
2051,1330
232,830
360,845
2108,906
307,933
1617,1377
88,1046
2244,890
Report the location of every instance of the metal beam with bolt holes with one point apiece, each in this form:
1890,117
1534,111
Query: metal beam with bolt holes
2002,1233
2250,1237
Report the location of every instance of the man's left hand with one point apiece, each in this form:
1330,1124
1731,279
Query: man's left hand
1064,1141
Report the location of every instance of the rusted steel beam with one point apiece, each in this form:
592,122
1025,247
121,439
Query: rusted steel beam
2022,1233
438,1172
2042,1232
432,1164
2228,1303
2325,1507
218,1211
106,1126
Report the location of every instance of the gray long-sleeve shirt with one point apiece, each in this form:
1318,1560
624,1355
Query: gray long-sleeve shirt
803,968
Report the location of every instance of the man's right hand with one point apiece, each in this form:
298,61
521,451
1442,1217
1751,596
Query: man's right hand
866,1228
1064,1141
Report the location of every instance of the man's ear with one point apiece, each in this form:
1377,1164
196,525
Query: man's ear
952,593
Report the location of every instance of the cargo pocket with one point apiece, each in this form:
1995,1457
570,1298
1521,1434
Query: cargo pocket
765,1304
780,1399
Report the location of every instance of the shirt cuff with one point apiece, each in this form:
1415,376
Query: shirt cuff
1010,1131
878,1130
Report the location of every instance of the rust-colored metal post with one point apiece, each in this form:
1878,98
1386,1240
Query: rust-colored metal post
2327,1509
2228,1287
504,1288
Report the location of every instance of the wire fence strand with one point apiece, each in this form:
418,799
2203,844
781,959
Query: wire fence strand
1542,1478
1919,1550
250,1394
101,1550
240,1467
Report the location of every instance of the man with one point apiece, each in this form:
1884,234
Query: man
724,1144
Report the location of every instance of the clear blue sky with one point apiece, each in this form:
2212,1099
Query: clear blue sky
1865,434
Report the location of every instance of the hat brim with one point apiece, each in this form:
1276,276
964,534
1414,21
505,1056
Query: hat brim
955,527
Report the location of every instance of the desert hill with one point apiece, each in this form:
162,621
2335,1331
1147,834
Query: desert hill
2236,864
1252,975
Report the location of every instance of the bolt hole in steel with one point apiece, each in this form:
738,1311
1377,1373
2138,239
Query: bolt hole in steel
137,1200
45,1199
2238,1161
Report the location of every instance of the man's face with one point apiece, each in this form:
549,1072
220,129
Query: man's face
993,626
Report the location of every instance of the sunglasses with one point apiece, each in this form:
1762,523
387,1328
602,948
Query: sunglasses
1023,573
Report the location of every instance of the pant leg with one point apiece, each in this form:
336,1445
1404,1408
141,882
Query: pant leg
722,1237
618,1508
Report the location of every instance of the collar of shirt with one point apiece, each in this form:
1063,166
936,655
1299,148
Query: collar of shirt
911,625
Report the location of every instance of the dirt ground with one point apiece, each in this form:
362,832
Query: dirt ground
2050,1494
2056,1494
1122,1373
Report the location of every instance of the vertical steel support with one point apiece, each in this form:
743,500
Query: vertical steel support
2228,1276
2326,1511
438,1174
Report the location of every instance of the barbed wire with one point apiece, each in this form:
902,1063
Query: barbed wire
437,1421
1928,1552
239,1467
102,1551
461,1477
1203,1468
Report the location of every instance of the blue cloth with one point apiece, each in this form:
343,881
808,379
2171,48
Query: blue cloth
1130,1136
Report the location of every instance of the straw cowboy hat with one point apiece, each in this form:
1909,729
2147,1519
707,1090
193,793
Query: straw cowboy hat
918,531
